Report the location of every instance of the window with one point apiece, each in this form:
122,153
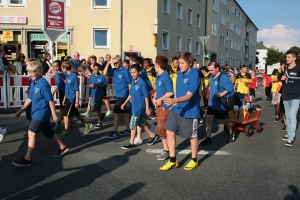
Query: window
232,9
178,43
221,60
198,20
223,19
165,40
222,40
224,2
215,5
13,3
190,16
179,10
197,48
189,45
166,6
101,4
101,38
214,28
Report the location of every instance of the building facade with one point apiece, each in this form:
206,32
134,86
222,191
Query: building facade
262,51
133,27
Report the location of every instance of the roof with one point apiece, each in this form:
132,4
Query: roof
260,45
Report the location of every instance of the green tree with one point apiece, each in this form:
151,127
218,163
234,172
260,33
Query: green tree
274,56
298,51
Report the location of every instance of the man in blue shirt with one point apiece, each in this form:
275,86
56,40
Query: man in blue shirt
122,83
97,83
71,100
42,108
183,118
75,61
215,107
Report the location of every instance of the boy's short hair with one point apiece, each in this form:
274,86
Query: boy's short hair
174,58
282,62
35,66
147,60
126,61
244,66
162,61
293,52
117,57
66,65
187,57
204,68
57,62
137,67
30,60
97,65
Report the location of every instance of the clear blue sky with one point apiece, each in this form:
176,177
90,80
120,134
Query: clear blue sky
278,21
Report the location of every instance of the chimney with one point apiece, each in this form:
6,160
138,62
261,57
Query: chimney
261,42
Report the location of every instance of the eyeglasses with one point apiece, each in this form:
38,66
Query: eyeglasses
116,63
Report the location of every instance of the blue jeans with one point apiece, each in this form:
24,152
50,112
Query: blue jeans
291,108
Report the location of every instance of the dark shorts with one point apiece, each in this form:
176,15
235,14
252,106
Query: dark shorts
28,112
44,126
281,106
105,92
219,114
70,110
61,95
96,104
252,92
185,128
117,108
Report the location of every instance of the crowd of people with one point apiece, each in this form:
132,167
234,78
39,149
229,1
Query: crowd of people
166,90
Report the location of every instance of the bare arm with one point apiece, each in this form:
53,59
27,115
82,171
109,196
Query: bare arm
52,108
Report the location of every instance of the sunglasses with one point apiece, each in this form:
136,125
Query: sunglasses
116,63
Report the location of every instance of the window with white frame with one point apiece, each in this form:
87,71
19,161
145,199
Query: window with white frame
222,60
197,48
101,37
178,43
13,3
222,40
189,45
215,5
166,6
190,16
165,40
224,2
198,20
214,31
223,19
232,9
101,4
179,10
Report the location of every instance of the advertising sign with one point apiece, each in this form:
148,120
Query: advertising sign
12,20
8,36
54,18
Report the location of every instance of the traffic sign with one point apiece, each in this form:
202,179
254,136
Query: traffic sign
54,18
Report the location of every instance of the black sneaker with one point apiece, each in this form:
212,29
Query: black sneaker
285,138
98,125
284,128
22,163
61,152
128,146
152,140
206,141
125,133
277,119
232,137
226,129
289,143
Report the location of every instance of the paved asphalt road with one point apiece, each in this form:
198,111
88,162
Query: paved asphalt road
256,167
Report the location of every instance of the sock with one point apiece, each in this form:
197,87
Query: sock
173,159
194,159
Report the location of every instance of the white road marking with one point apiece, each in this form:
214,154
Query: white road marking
201,152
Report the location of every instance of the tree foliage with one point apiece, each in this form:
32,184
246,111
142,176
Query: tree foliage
274,56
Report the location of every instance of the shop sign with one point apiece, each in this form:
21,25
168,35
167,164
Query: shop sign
13,20
43,37
8,36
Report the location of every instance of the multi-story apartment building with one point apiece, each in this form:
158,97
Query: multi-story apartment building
129,27
232,34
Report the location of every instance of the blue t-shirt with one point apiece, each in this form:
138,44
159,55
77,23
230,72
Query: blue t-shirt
226,84
122,79
188,82
163,84
40,95
60,83
97,92
71,87
145,78
138,93
75,63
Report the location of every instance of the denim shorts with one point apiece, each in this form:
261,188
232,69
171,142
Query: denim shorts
96,104
44,126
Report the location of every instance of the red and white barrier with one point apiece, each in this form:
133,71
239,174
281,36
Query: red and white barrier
3,92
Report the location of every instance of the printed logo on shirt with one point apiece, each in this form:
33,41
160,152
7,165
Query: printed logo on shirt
216,83
36,90
293,74
136,87
99,80
159,83
69,81
185,80
120,76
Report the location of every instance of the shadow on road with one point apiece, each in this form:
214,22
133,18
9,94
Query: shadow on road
295,193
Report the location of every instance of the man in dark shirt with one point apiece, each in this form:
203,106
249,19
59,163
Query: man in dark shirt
291,96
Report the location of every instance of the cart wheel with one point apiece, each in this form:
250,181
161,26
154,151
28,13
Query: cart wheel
258,127
248,130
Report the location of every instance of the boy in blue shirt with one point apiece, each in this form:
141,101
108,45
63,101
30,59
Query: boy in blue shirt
185,112
122,83
164,89
140,99
42,108
98,84
71,100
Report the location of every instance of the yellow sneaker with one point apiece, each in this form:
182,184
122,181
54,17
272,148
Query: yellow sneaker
191,165
169,165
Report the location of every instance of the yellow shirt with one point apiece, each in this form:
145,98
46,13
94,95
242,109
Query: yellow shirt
174,77
243,81
205,81
151,75
274,75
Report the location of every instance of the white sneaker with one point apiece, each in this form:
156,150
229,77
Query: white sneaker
108,113
2,134
152,127
137,141
85,114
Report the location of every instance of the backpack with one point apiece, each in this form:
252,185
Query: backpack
229,101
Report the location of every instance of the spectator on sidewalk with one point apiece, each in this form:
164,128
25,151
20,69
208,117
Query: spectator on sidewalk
75,61
46,63
253,87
